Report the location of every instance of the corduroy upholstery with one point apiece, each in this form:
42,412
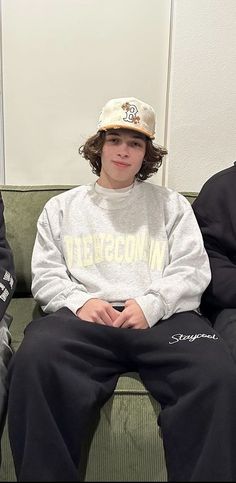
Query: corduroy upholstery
126,444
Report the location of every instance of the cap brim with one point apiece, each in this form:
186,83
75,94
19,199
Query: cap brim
132,128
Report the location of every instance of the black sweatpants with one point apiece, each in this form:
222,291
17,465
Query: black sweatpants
225,324
66,368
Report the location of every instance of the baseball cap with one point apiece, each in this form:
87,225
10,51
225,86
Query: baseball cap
128,113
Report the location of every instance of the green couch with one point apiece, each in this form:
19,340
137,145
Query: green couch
126,444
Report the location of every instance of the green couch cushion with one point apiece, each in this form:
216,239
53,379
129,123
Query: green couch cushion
190,195
22,311
23,205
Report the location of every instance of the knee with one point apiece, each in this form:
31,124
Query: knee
219,375
36,352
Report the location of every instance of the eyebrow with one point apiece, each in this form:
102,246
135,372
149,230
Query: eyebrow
133,135
112,133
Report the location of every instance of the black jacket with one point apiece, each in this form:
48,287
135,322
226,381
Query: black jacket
215,209
7,271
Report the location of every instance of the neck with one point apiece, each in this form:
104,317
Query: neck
114,184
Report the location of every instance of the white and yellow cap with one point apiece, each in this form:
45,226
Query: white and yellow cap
128,113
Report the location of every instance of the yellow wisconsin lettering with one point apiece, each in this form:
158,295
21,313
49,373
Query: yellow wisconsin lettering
78,254
157,252
109,248
68,240
97,246
141,247
87,251
119,243
129,248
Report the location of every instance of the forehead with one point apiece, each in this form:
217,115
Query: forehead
131,133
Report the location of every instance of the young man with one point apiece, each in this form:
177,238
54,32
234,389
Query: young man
215,209
7,286
119,266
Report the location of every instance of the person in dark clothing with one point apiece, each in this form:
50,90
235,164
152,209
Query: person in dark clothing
119,267
7,286
215,210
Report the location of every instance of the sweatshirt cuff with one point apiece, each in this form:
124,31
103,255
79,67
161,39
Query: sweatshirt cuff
152,307
76,301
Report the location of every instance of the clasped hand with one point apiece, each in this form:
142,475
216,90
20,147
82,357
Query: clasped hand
102,312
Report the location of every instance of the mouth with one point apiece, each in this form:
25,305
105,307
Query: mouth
120,164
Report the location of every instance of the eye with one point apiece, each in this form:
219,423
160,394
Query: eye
137,144
113,140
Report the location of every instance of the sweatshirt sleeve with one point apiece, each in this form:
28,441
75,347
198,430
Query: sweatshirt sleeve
52,286
185,277
215,211
7,270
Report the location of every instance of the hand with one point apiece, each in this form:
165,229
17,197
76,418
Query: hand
131,317
98,311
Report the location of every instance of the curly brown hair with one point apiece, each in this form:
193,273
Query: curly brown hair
92,150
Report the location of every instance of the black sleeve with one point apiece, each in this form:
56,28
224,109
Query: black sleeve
7,271
215,210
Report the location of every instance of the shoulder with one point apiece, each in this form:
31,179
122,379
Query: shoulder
165,196
217,196
221,179
57,205
68,196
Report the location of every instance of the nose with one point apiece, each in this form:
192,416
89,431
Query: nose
123,150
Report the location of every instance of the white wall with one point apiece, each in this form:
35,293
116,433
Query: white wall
62,60
202,105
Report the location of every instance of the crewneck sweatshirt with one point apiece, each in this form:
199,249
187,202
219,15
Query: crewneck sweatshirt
141,242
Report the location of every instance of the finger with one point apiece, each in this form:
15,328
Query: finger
102,318
107,315
126,325
99,321
113,313
129,302
106,318
120,320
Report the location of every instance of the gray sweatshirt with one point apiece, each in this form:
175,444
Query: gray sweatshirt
142,242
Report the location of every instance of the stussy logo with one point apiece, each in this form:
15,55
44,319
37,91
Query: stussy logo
131,113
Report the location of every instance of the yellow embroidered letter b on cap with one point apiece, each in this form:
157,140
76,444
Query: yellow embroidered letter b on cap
128,113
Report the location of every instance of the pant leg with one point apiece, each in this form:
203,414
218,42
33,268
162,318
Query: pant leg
63,372
189,369
5,356
225,324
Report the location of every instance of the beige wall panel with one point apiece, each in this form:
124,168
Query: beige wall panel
202,108
62,59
